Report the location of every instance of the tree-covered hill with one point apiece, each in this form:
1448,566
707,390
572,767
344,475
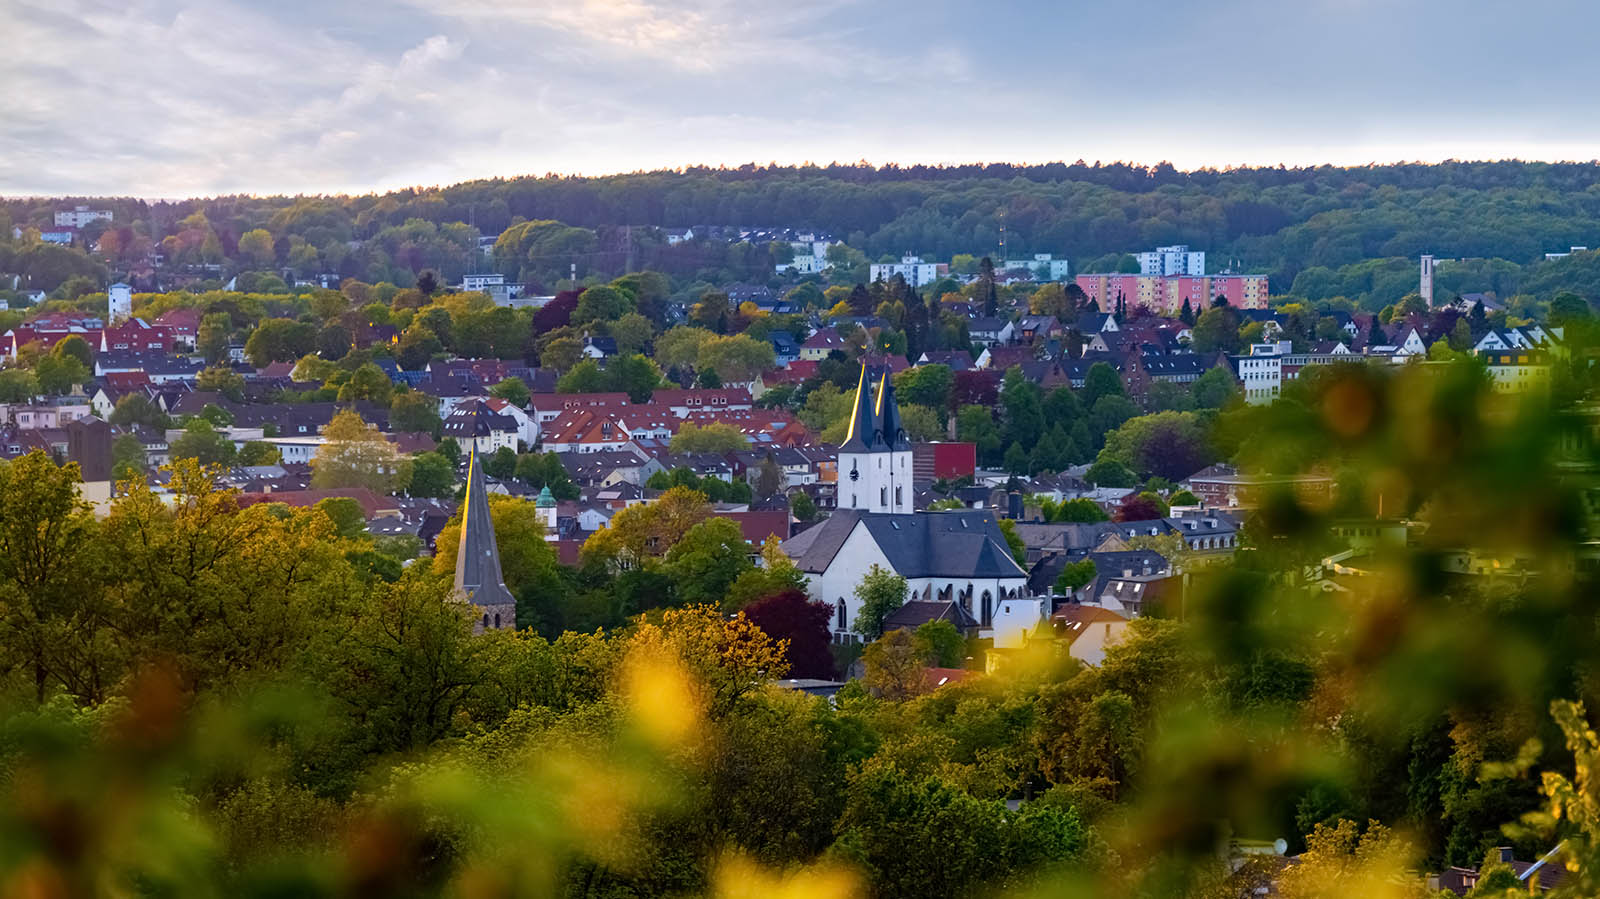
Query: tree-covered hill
1275,220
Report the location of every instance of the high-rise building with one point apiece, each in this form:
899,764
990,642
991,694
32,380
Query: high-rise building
1174,260
875,465
478,577
1165,295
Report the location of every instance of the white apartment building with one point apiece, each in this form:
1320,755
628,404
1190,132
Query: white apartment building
1045,267
1175,260
912,268
81,216
482,282
1261,372
804,265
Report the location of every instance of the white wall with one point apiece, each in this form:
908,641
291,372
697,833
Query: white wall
860,552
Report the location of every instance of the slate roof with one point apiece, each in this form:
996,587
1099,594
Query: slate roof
955,544
1092,322
478,576
955,360
916,613
476,419
862,436
1042,577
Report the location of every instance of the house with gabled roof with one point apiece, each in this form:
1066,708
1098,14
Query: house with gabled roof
817,347
476,425
1088,630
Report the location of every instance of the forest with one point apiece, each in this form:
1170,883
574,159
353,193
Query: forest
1318,232
202,699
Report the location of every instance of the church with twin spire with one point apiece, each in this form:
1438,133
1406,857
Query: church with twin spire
958,559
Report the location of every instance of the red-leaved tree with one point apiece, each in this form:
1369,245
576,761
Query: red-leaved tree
1139,507
793,616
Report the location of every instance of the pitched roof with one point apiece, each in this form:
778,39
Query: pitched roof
890,432
918,612
1075,618
862,435
759,524
959,544
478,576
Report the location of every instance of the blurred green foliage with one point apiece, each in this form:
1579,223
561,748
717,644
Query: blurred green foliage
1391,676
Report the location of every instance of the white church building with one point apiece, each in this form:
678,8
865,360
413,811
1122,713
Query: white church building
958,556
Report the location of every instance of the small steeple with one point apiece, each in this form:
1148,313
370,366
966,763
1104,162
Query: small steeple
863,436
478,577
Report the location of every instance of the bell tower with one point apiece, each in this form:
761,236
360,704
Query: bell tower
897,493
875,458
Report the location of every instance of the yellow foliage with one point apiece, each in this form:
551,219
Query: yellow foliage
739,877
647,530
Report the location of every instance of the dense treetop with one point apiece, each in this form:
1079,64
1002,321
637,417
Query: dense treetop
1275,220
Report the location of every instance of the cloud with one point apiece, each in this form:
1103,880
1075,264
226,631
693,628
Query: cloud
184,97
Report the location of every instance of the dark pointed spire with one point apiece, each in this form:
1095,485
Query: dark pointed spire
863,436
478,577
890,432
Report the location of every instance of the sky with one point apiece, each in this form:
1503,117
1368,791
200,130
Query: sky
180,98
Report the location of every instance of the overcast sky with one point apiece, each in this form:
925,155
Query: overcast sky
169,98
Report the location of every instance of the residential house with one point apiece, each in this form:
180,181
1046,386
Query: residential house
547,407
917,612
610,467
955,360
182,325
1033,327
527,425
703,465
135,336
599,346
476,425
990,330
785,348
1002,358
1087,631
683,401
451,391
817,347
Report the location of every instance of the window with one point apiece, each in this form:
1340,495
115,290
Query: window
841,613
898,496
485,619
883,496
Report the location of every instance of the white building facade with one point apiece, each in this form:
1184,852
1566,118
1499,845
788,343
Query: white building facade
911,268
1174,260
81,216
